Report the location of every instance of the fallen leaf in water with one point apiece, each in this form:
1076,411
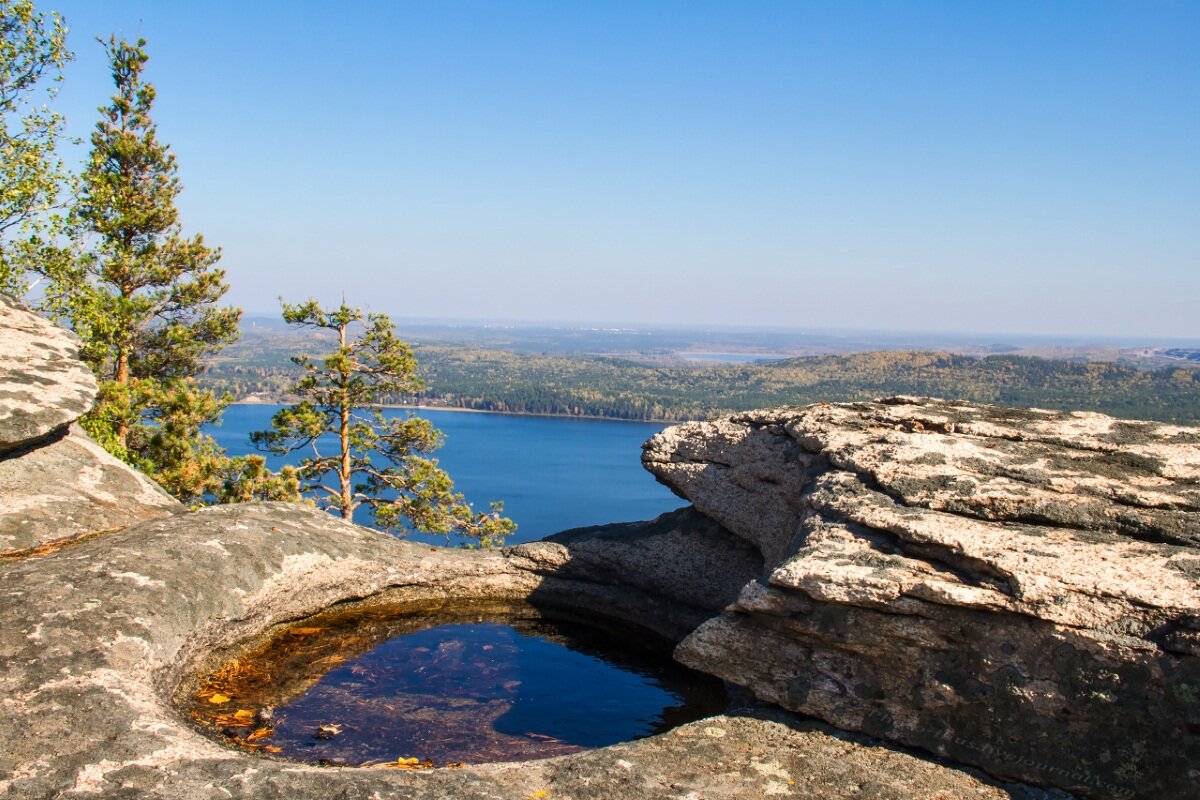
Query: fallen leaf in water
218,698
304,631
327,731
232,721
259,733
273,749
244,713
408,763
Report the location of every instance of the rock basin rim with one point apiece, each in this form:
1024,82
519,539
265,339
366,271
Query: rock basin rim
268,672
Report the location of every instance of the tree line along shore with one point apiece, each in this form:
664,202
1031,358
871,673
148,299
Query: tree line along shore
618,388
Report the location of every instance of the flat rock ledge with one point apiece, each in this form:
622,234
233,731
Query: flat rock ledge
1015,589
43,385
99,640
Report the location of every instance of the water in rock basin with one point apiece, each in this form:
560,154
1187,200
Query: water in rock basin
448,689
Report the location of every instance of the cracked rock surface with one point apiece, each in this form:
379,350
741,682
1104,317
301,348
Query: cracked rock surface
98,639
1013,588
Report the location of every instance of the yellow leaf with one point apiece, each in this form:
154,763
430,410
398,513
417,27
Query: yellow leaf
304,631
219,698
244,713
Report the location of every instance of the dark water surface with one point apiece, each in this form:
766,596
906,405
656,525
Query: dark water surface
442,689
553,473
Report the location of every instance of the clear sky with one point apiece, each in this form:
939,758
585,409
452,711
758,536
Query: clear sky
1021,167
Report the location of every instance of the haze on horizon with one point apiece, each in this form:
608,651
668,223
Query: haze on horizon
1023,167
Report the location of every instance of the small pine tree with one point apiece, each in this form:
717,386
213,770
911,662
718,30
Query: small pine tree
143,298
377,462
248,479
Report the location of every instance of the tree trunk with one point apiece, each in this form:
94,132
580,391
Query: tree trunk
122,378
344,432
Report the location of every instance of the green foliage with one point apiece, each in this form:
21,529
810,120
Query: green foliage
32,54
380,463
247,478
143,297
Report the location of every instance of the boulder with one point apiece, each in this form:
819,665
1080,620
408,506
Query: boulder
1013,589
43,385
101,640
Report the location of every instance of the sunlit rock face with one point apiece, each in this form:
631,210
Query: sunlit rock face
43,384
55,482
100,642
72,487
1015,589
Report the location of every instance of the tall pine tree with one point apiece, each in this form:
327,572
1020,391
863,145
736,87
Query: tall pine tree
375,462
142,296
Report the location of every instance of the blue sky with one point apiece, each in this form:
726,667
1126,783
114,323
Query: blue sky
1019,167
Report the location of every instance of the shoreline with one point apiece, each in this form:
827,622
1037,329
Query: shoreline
460,410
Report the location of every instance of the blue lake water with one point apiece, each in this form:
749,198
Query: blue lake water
553,473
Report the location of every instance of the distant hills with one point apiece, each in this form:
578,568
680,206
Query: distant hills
665,387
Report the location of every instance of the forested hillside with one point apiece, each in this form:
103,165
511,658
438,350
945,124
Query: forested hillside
598,386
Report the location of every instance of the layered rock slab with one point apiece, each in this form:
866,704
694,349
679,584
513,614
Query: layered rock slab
1016,589
43,384
55,482
72,487
98,639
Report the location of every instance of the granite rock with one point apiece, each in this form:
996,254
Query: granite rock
43,385
99,640
72,487
1012,588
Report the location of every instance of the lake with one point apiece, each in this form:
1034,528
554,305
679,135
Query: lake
553,473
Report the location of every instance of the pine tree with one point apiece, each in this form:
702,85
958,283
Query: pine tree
377,462
32,53
143,298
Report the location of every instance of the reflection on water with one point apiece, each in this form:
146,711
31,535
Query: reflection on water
496,683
